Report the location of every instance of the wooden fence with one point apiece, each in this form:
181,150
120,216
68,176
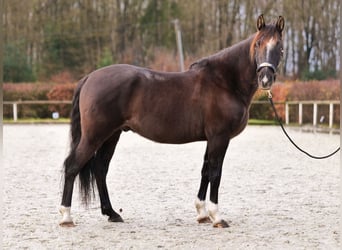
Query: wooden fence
315,105
16,103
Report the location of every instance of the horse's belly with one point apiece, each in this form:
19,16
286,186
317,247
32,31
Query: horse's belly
167,131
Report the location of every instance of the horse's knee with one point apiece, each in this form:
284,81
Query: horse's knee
205,168
215,179
71,168
215,176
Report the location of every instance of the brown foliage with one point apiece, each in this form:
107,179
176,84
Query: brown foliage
315,90
63,92
26,91
62,77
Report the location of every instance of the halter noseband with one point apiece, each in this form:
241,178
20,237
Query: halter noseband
266,64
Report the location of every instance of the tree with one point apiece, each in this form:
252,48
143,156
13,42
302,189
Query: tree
80,35
15,65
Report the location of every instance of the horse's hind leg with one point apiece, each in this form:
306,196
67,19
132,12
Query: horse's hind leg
76,160
102,160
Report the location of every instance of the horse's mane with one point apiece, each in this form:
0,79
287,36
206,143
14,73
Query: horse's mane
266,32
205,61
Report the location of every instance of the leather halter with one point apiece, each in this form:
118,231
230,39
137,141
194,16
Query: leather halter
266,64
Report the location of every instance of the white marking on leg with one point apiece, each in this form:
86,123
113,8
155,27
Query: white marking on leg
66,217
201,210
214,214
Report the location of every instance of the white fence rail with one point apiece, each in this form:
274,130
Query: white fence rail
315,104
15,105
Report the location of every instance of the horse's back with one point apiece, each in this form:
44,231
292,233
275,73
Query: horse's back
128,81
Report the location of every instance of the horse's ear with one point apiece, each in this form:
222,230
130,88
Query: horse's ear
260,22
280,23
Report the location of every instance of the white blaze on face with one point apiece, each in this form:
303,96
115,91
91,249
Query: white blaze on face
269,46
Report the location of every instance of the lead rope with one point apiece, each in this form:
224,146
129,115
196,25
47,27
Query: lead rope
282,127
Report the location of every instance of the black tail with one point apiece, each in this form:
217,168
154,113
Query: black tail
86,176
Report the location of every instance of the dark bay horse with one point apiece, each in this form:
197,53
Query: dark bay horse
209,102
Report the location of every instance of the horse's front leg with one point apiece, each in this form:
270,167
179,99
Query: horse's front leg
215,172
211,173
202,213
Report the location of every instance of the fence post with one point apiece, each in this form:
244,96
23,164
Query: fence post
15,111
331,114
300,113
287,116
179,44
314,118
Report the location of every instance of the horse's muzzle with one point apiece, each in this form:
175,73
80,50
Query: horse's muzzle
266,77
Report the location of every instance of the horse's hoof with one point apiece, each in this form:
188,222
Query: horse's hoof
67,224
204,220
221,224
115,219
66,220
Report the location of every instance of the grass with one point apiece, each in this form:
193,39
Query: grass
37,121
261,122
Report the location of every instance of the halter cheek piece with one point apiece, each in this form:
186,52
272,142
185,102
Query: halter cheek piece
266,64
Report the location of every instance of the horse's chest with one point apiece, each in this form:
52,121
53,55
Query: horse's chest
237,119
227,116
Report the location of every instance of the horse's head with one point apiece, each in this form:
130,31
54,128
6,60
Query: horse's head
267,50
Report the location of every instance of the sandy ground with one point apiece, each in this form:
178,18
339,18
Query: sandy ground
273,196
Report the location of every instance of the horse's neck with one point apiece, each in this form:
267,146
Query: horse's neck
238,71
